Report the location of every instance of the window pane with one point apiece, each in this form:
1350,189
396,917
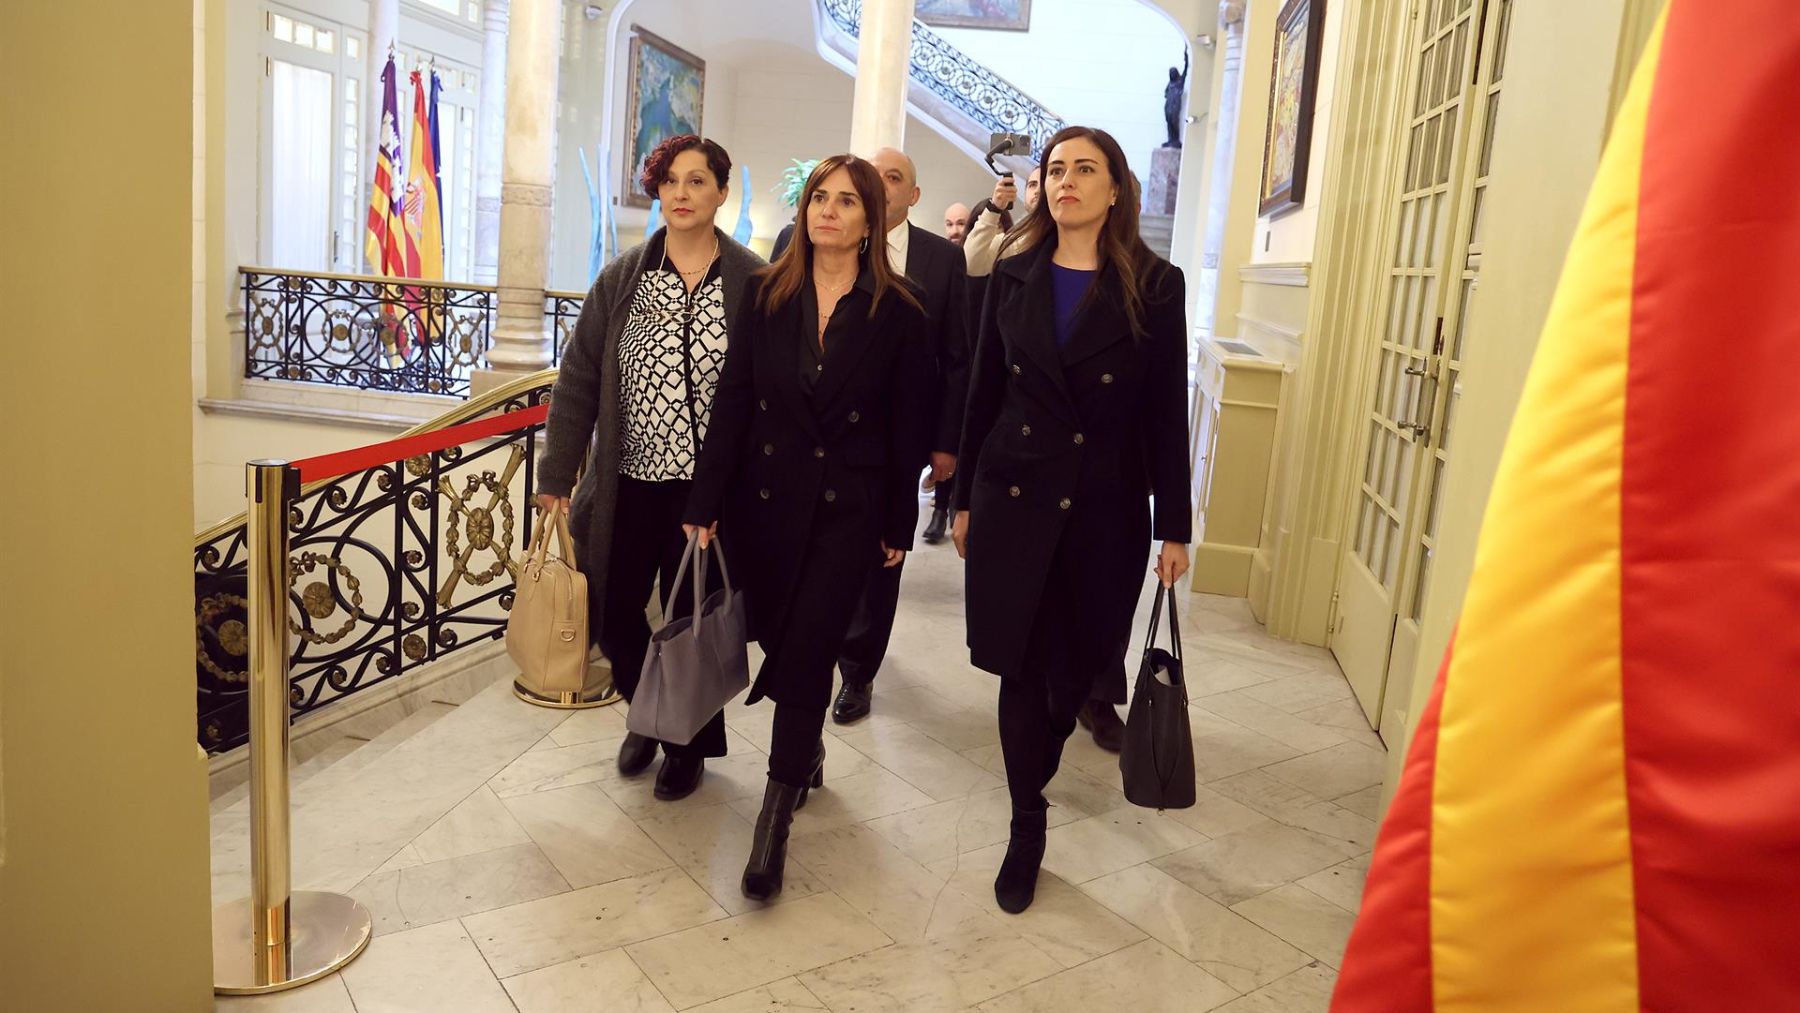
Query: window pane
327,42
300,167
353,47
283,28
303,34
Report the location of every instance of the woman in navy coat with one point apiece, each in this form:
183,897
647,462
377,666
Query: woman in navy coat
1077,417
810,466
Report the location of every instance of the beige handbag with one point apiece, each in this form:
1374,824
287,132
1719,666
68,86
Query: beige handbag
547,632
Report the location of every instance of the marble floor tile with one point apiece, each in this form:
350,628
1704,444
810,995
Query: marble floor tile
608,981
593,725
1146,977
562,767
961,728
1223,748
479,823
1346,716
439,891
1214,815
1365,803
585,835
928,765
1303,918
1241,865
1222,942
1068,925
1209,676
528,936
724,958
1085,793
866,796
405,858
784,996
879,882
712,844
742,774
1307,990
1301,692
942,976
327,995
947,829
1341,884
1273,722
1339,770
1328,819
1093,847
1265,793
435,968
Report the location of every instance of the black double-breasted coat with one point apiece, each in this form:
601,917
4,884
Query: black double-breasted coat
1065,446
808,479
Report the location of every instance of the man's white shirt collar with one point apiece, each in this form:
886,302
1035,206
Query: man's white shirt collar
899,240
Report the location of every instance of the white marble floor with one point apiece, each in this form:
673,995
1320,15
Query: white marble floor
510,868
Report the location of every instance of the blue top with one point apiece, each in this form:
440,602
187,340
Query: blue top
1068,287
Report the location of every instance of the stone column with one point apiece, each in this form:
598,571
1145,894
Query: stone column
384,33
883,57
533,47
490,126
1218,199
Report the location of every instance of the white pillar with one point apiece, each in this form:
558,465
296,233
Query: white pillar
384,33
528,170
883,58
1218,200
490,124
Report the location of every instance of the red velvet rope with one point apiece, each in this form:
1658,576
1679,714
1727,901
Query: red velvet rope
375,455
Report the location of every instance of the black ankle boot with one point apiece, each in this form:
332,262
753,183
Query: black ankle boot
817,780
768,849
934,529
1017,882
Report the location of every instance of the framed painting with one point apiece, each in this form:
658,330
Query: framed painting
1004,15
1293,91
663,92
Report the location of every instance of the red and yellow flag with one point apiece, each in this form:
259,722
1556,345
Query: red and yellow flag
424,214
1600,810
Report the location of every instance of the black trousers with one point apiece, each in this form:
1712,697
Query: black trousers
794,744
1039,703
647,542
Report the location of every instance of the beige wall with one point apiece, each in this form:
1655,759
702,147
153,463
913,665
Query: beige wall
1562,57
104,887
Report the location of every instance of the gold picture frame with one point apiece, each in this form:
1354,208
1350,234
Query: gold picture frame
664,97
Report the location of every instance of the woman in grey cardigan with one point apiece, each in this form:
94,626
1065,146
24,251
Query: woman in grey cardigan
634,397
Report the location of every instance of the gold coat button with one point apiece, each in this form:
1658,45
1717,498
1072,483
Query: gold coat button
1024,430
764,493
1015,369
855,417
1105,377
831,495
768,450
818,451
1066,503
763,404
1014,492
1080,439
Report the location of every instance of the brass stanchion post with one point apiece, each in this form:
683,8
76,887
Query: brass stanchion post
276,938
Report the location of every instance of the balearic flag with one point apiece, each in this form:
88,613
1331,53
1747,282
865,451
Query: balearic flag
1600,810
382,241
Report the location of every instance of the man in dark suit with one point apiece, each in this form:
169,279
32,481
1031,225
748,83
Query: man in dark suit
935,266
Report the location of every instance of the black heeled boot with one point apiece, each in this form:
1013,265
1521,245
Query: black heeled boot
768,849
1017,882
817,780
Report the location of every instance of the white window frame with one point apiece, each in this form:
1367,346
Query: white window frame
342,68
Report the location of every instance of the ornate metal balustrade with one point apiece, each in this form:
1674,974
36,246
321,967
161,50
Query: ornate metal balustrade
561,310
391,567
374,334
959,80
365,332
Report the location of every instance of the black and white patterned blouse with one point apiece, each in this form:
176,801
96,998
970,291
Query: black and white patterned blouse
671,354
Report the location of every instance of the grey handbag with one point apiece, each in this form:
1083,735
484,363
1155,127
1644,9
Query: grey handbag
695,664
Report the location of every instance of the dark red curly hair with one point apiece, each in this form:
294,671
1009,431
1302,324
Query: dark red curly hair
656,164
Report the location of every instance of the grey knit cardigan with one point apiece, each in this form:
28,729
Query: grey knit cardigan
584,405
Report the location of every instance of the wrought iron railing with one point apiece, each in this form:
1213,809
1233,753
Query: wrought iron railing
392,566
561,310
955,77
366,332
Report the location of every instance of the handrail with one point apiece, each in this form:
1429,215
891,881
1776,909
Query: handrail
473,408
954,76
384,279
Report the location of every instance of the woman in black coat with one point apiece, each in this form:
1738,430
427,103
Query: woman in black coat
1077,416
810,467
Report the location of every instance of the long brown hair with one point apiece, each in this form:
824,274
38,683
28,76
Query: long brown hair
793,268
1136,271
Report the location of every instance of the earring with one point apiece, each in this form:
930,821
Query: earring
865,245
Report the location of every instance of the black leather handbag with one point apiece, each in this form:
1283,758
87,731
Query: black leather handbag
1157,762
